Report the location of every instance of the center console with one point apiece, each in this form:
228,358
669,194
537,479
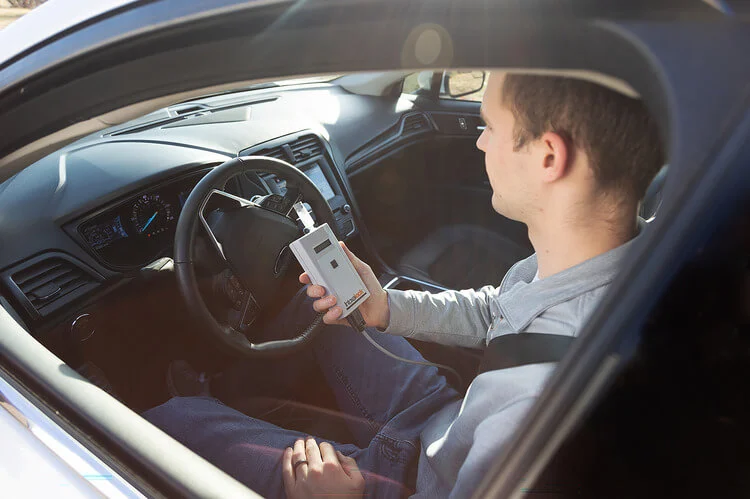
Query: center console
308,154
404,283
320,172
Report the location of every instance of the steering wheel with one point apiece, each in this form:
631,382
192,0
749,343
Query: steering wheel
252,238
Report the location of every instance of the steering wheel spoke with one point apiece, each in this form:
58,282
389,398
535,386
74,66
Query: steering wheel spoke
250,310
218,199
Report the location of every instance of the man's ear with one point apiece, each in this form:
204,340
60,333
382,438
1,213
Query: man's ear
555,156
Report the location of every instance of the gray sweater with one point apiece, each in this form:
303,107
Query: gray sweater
461,440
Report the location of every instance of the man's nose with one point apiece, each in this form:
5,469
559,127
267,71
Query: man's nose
480,140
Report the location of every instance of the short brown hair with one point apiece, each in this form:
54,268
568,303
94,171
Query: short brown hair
616,132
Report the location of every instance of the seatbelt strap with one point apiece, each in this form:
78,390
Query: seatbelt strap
513,350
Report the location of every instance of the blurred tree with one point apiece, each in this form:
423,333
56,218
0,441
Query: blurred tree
26,4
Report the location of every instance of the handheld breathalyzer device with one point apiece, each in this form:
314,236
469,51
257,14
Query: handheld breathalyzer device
325,262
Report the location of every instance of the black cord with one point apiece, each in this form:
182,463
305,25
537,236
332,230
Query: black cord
356,321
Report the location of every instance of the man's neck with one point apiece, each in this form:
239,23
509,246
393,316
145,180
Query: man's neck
560,246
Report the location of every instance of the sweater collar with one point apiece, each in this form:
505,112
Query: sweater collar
521,300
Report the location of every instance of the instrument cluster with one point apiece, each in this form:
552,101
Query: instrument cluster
139,229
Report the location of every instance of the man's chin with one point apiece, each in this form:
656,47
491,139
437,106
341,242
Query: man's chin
502,209
497,205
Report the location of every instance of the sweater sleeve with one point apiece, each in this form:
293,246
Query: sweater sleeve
457,318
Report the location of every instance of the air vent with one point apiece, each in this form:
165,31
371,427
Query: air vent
416,123
47,281
306,147
183,109
275,152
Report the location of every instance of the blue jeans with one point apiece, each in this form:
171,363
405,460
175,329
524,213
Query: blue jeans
388,401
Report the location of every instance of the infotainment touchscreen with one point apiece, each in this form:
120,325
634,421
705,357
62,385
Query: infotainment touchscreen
319,179
314,173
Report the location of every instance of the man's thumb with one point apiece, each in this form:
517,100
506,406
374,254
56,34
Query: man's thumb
348,464
359,265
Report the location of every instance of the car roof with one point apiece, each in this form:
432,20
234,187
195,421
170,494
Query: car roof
54,18
49,20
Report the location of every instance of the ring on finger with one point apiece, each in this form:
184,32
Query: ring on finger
298,463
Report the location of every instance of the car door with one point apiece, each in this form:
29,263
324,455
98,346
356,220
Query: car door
65,87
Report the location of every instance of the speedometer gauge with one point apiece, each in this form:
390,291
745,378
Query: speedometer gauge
151,215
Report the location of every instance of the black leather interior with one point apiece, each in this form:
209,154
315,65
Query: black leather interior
462,256
469,256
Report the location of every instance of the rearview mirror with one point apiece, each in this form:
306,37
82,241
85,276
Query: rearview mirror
462,83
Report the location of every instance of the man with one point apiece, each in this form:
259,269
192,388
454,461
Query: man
568,158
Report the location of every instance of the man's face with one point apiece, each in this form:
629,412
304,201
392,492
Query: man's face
510,172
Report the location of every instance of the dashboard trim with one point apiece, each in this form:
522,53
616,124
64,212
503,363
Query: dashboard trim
377,148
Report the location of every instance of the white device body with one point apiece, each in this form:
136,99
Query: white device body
327,265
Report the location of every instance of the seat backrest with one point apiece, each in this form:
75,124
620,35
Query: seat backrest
652,199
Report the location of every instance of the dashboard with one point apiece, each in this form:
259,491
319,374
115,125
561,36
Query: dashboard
101,209
136,230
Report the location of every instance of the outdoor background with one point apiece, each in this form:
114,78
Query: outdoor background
10,10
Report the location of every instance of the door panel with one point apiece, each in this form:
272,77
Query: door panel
433,185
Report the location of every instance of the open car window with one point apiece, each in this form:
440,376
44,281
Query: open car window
141,261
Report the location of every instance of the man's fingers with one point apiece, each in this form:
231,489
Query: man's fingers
299,454
304,278
287,471
332,316
324,303
328,453
349,465
316,291
313,452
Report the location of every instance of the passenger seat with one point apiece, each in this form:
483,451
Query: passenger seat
462,256
470,256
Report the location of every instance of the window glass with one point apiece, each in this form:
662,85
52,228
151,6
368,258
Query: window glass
415,81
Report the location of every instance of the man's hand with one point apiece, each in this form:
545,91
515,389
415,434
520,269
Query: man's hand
374,310
310,470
